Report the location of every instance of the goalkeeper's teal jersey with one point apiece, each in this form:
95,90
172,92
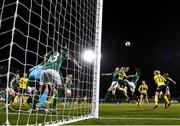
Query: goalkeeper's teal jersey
56,59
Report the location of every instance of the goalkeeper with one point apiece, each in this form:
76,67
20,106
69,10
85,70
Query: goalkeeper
33,82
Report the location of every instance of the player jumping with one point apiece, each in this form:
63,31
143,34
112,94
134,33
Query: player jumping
168,79
122,81
114,83
160,81
133,81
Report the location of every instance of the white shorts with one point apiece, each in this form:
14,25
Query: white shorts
30,89
131,85
167,91
50,76
114,84
68,91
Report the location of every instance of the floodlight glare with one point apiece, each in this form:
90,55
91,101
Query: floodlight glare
89,56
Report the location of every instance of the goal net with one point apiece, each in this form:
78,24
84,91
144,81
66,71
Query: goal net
44,78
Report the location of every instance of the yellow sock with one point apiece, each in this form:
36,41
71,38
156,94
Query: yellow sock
126,95
15,99
147,101
166,99
24,99
156,99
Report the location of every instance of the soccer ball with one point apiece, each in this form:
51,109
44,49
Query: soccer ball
127,44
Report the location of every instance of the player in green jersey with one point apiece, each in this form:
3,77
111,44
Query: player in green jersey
168,79
114,83
51,74
67,88
68,85
132,83
14,82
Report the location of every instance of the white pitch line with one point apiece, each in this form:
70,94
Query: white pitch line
138,118
39,114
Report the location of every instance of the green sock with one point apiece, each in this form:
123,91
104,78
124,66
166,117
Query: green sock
107,94
35,100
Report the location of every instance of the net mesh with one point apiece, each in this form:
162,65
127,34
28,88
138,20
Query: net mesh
29,29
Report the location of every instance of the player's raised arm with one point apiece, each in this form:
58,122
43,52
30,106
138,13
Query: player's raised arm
130,76
106,74
71,58
174,82
45,59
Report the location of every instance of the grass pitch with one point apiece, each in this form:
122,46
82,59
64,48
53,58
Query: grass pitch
131,114
110,114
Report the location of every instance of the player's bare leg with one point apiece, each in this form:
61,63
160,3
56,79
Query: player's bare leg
168,96
147,101
156,100
124,92
141,100
167,103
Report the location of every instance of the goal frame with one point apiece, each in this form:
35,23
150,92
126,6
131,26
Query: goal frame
96,73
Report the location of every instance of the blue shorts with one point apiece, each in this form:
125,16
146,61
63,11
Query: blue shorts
161,88
121,83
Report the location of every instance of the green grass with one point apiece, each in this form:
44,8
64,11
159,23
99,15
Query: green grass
110,114
23,118
131,114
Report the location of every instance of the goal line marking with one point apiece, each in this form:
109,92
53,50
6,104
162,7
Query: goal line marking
138,118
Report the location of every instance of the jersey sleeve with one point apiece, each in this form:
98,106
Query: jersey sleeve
49,53
155,79
140,87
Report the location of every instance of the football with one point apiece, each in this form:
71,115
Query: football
127,44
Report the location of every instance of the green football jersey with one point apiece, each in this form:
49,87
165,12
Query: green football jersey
68,83
135,78
56,59
167,81
15,84
115,76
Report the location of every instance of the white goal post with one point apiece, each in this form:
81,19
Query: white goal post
34,33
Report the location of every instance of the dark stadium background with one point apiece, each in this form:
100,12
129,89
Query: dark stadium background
154,32
152,29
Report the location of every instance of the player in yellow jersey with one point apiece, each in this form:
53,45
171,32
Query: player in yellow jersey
22,88
143,90
23,83
160,81
121,81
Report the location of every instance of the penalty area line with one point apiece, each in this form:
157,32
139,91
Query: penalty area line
138,118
